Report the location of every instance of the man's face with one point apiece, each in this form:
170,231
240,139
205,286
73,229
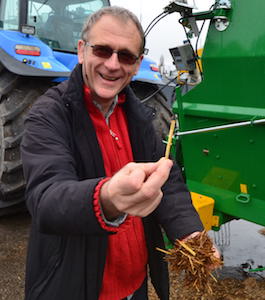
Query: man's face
106,77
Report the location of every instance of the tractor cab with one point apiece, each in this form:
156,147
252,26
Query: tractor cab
57,23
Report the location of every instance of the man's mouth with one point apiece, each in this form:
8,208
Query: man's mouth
110,78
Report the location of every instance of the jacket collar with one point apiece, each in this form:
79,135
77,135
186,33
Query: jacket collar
138,115
133,106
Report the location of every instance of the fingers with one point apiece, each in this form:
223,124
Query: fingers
131,181
143,201
159,175
131,178
136,188
151,187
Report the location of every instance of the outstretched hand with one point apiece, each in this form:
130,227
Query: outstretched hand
216,252
135,189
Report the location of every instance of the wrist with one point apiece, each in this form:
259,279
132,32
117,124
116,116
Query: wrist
108,208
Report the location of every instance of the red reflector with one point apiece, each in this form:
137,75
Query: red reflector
28,52
154,68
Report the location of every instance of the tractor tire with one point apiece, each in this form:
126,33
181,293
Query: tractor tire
158,102
17,94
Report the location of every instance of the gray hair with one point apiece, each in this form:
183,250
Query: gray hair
121,13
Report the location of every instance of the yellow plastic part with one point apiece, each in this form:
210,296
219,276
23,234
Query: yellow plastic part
204,206
243,188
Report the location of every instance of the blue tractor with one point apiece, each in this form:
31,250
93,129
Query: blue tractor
38,44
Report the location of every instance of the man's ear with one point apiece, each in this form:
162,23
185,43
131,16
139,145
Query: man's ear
80,51
138,64
141,58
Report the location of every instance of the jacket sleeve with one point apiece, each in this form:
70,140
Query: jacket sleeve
58,200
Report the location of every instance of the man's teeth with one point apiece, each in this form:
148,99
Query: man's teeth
109,78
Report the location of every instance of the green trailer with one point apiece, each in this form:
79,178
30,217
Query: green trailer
221,130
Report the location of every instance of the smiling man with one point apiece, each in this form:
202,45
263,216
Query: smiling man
97,188
111,53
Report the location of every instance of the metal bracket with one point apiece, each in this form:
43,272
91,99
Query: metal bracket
243,198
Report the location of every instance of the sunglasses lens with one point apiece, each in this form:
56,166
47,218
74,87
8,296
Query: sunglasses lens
102,51
127,58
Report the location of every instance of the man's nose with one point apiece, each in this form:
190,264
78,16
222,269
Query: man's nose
113,61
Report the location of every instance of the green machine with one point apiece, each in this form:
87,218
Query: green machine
221,130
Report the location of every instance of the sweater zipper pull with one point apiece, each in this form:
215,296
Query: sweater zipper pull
115,138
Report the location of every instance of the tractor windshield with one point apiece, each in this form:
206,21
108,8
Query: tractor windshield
58,23
9,14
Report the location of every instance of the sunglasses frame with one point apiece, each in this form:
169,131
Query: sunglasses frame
131,59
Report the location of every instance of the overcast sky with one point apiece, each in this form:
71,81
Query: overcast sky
168,33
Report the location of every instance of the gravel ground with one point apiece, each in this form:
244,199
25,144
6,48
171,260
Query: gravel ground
13,243
225,289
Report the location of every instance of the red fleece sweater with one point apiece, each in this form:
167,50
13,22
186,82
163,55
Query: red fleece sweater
126,261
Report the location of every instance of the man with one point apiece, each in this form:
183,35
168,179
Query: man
97,188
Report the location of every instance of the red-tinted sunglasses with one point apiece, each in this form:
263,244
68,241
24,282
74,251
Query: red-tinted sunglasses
124,56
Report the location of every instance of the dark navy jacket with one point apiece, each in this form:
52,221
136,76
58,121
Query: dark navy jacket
62,165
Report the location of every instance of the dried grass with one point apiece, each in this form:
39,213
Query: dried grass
194,261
